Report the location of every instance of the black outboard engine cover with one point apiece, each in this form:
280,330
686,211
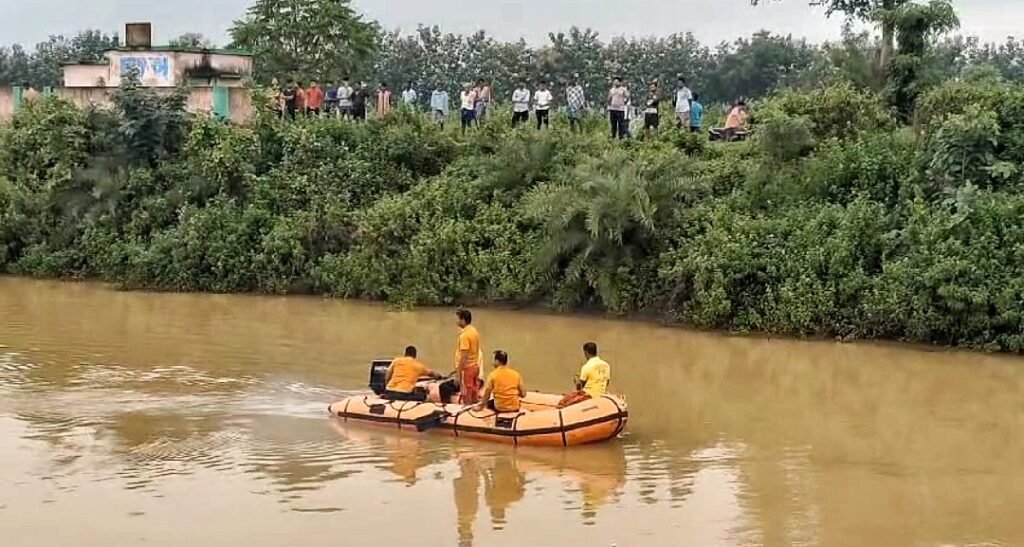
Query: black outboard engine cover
379,375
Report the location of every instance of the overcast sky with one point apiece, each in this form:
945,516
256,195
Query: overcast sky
31,21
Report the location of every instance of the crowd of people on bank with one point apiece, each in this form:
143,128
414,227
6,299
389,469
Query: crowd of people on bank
353,99
504,388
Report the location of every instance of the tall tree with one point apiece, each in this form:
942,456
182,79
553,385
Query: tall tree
915,24
305,37
866,10
86,46
42,67
15,65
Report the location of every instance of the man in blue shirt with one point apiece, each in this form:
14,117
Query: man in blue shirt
696,114
331,98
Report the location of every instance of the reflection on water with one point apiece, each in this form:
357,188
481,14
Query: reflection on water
124,416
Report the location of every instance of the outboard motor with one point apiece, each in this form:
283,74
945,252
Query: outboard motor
379,375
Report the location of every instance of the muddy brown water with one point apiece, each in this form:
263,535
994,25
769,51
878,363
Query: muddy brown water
178,419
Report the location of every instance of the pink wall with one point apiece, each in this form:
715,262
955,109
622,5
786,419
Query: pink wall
6,103
200,100
86,75
86,97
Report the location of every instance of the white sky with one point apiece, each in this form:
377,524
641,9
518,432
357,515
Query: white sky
31,21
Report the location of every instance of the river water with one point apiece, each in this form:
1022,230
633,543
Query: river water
177,419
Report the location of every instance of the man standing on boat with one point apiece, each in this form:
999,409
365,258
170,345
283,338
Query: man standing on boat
467,358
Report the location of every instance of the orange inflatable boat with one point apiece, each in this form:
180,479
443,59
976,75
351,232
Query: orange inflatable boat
539,421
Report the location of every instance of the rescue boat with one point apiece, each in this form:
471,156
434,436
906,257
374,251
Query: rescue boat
540,420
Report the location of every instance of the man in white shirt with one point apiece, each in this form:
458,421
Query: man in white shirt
409,95
682,100
542,100
345,92
520,105
468,101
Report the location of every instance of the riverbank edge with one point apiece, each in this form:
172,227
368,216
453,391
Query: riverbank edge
648,318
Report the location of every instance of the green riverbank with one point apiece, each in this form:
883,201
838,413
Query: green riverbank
836,220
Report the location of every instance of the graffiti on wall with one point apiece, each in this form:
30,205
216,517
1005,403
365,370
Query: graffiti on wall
154,70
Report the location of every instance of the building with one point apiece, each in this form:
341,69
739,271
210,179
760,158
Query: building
161,66
214,79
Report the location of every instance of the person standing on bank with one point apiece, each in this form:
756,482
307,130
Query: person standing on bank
520,105
595,374
314,99
331,99
439,104
290,99
618,101
483,100
696,114
383,100
300,98
467,99
345,93
359,98
467,358
651,115
542,99
682,103
575,102
409,96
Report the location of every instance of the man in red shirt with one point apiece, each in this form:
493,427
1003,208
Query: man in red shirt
314,99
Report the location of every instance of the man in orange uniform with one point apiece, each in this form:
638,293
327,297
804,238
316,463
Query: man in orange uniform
467,358
403,374
505,384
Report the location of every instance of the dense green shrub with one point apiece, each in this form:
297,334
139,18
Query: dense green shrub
836,111
800,269
958,277
833,220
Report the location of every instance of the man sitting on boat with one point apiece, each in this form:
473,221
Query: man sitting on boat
505,385
403,374
592,381
595,374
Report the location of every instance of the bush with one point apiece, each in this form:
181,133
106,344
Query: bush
802,269
838,111
831,221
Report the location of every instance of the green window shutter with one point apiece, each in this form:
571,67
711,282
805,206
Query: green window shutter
17,97
222,102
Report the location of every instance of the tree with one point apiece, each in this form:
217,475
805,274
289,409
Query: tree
753,67
600,223
865,10
87,46
305,37
192,40
15,65
915,25
43,66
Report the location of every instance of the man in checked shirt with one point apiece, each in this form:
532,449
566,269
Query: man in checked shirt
576,102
